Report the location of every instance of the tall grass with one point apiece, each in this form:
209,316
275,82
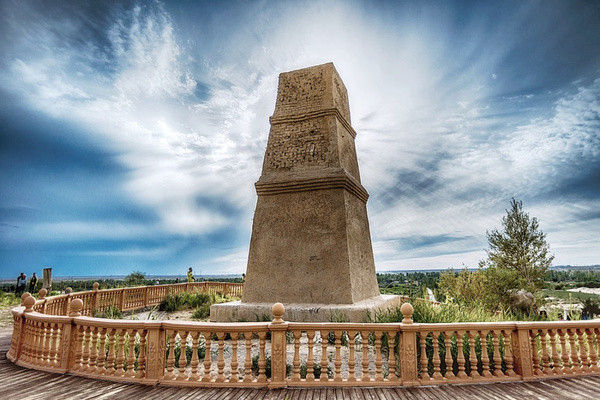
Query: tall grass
8,299
425,312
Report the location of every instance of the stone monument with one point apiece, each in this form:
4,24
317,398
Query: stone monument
310,247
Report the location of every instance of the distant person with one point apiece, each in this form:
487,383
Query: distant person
21,283
157,282
32,283
243,278
190,275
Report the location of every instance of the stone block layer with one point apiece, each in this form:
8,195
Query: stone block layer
308,312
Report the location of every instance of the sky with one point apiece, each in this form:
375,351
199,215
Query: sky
132,132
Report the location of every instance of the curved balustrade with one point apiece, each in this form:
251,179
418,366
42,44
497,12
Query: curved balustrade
288,354
130,298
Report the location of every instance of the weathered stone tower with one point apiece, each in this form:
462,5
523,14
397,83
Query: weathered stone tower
311,246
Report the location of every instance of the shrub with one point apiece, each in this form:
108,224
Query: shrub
110,312
202,311
185,301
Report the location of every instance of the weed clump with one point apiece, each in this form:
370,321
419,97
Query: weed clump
110,312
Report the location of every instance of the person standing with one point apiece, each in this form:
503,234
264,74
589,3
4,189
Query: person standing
21,283
32,283
190,275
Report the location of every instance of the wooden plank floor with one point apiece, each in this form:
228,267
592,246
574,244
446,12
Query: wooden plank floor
29,384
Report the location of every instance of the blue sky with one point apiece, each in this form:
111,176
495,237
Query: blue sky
131,133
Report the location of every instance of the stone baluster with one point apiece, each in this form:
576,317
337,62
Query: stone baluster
435,349
182,359
545,359
391,356
593,355
262,362
30,354
120,360
234,358
378,357
461,355
310,360
364,343
207,357
26,341
351,356
101,368
534,353
195,376
248,358
85,357
92,365
575,361
424,359
485,355
171,358
30,340
78,348
39,351
130,373
497,358
220,358
337,362
47,335
508,354
40,355
296,362
324,359
33,354
53,353
555,357
448,358
473,373
583,355
566,369
141,370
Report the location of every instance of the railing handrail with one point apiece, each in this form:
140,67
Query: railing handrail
43,303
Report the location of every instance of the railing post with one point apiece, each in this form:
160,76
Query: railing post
42,296
95,299
67,309
522,352
122,305
278,330
28,302
408,348
155,356
225,289
68,341
146,296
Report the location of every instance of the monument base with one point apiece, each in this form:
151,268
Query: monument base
251,312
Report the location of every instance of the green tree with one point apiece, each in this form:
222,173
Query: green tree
136,278
519,252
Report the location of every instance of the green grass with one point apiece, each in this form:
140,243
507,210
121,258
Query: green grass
574,296
9,299
425,312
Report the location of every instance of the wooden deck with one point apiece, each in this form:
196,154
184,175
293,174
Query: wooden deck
29,384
